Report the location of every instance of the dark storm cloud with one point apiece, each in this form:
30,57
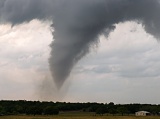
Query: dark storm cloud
78,23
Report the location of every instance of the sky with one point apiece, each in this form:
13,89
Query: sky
123,68
80,51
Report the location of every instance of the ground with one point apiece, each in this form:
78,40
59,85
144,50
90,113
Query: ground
74,115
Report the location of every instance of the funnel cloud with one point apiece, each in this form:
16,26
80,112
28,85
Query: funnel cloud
77,24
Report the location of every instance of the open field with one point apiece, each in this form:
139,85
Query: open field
78,117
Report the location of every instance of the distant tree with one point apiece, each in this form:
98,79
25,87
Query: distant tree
93,108
112,111
31,110
8,107
132,108
1,108
122,110
38,111
2,111
150,108
111,104
50,110
112,108
18,109
100,111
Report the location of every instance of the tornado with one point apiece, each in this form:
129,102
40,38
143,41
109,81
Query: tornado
78,24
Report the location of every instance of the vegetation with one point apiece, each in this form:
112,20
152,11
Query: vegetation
23,107
78,117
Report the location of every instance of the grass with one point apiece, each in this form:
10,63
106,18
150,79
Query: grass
78,115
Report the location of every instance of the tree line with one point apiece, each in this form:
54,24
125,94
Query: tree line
9,107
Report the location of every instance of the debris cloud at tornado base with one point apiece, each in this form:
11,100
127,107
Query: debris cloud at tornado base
77,24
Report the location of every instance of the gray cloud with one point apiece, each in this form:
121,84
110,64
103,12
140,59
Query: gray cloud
77,24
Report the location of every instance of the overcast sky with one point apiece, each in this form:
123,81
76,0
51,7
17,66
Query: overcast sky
123,68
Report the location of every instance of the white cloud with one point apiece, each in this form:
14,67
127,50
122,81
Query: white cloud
24,53
122,68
